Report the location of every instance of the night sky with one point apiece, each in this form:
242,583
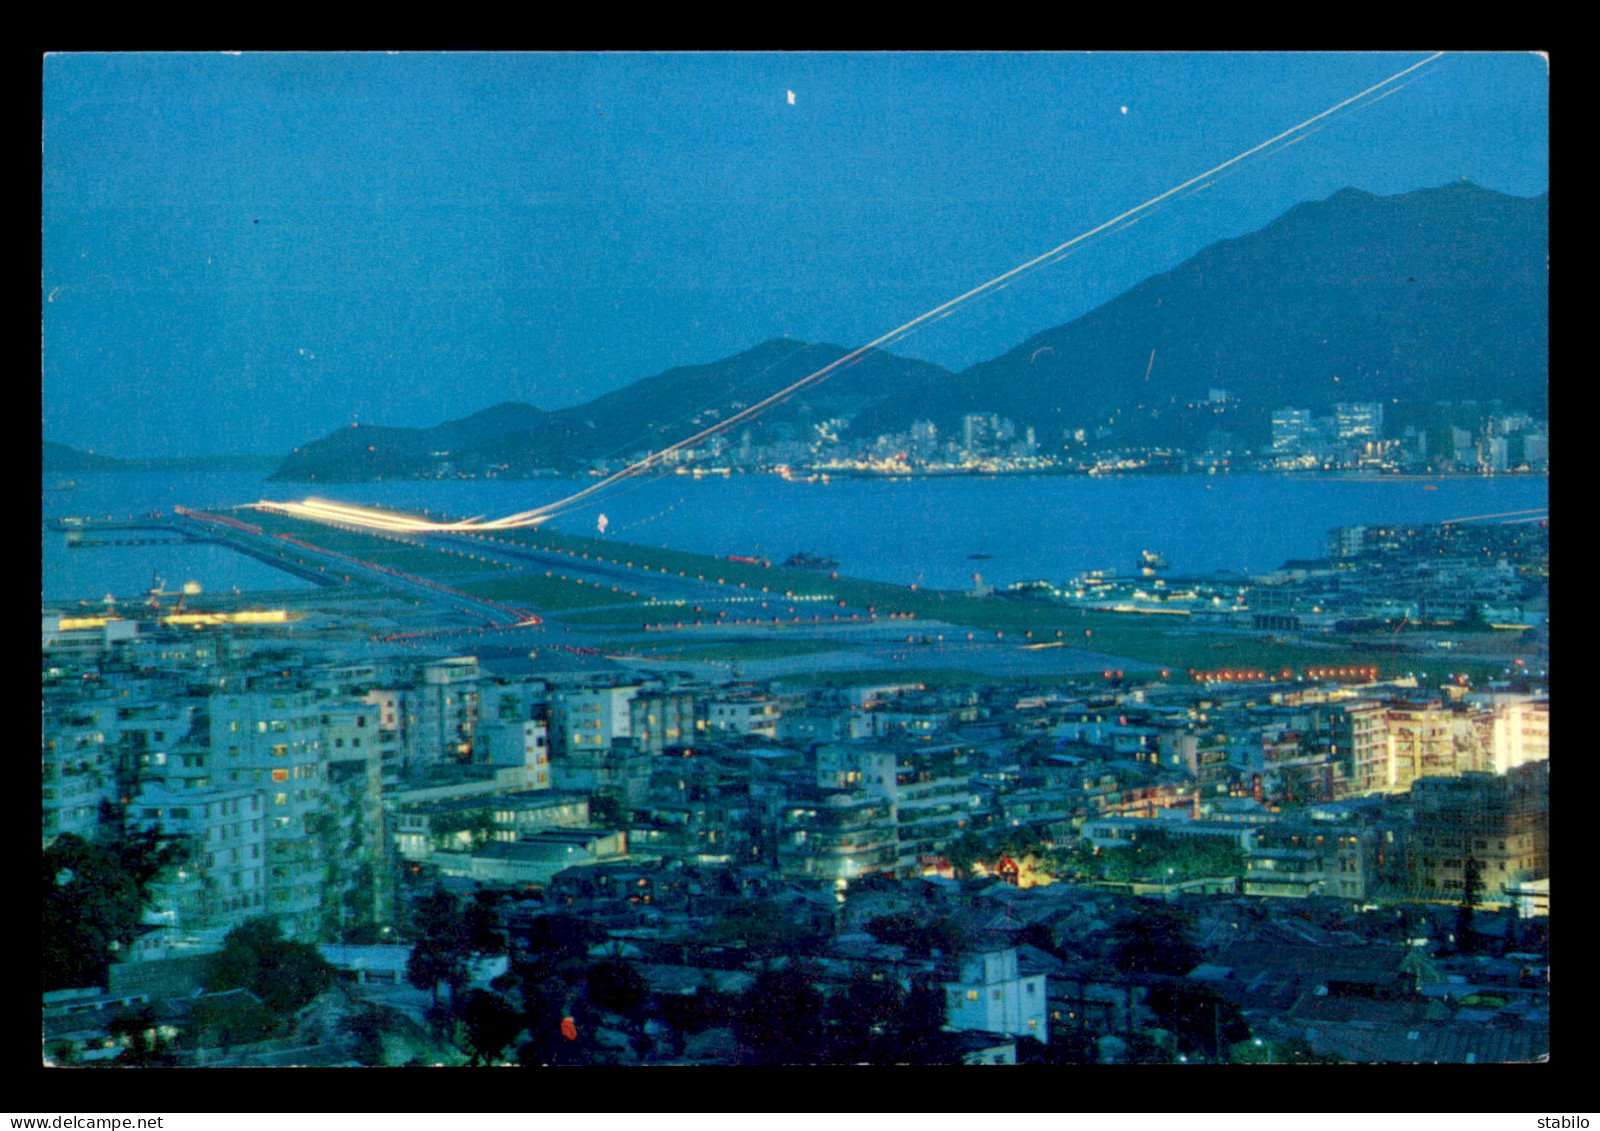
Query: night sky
244,252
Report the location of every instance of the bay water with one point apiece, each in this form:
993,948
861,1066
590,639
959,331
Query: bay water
934,532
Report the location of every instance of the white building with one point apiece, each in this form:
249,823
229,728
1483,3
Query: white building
1358,422
272,740
78,769
523,745
1520,733
446,711
591,718
84,636
223,882
747,714
991,996
1290,429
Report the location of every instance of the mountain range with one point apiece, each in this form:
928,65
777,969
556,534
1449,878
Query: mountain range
648,414
1439,295
60,458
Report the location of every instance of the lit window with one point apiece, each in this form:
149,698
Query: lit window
972,995
280,775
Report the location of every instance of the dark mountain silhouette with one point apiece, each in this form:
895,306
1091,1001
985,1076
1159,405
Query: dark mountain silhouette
1435,295
55,457
647,415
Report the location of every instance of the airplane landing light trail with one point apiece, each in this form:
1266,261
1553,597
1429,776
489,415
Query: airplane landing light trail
1535,514
498,613
322,510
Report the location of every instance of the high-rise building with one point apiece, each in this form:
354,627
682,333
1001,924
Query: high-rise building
271,739
223,881
447,711
662,720
592,742
1290,429
1358,423
1360,745
1502,821
836,835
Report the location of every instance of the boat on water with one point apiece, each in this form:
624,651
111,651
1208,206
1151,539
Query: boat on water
980,556
801,559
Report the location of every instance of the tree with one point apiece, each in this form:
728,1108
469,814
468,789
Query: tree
1159,856
919,1035
861,1018
965,851
439,956
562,940
144,1046
616,987
607,809
61,1053
694,1013
779,1019
483,930
1039,935
1201,1019
490,1024
450,938
1155,940
898,929
366,1027
93,896
560,1023
920,939
1019,842
234,1019
283,973
762,926
1471,888
145,854
1069,1045
91,908
1144,1048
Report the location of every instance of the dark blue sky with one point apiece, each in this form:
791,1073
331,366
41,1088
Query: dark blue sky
243,252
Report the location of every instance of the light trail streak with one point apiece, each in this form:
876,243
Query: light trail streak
1536,511
378,520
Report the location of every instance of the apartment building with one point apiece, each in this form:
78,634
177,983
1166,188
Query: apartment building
271,739
988,994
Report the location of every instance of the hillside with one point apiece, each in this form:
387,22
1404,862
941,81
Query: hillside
516,439
55,457
1436,295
